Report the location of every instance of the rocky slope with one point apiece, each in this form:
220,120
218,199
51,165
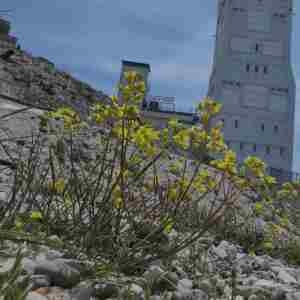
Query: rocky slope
217,273
37,82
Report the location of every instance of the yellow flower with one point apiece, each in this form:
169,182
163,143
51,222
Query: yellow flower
172,193
258,208
19,225
130,76
165,136
175,167
118,203
267,245
227,164
114,99
269,180
241,183
117,197
140,87
168,225
203,182
182,139
36,216
255,165
173,123
145,138
71,119
210,106
205,117
57,186
198,135
211,184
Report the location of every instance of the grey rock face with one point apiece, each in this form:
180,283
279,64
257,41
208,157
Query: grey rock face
35,296
284,276
104,290
189,295
60,273
160,280
38,281
82,293
293,296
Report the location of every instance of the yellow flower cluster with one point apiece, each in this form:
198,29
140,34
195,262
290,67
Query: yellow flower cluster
173,123
168,224
227,164
258,208
182,139
177,188
101,113
135,89
208,108
117,198
71,119
269,180
145,137
216,143
198,136
256,166
289,191
204,182
176,167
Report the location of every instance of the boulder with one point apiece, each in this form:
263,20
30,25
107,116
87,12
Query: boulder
59,272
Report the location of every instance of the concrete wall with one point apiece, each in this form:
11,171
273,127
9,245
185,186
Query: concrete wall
249,63
160,119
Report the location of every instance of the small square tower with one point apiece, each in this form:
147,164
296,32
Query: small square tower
141,68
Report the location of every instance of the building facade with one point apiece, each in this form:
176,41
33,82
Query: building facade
253,79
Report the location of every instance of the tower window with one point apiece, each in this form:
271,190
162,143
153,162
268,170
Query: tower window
281,151
254,148
256,47
256,68
236,123
268,150
262,127
265,69
276,128
241,146
247,67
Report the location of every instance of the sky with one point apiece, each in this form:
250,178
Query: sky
90,38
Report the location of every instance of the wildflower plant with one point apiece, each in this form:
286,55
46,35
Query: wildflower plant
137,186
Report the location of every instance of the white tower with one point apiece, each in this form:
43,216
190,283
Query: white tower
252,77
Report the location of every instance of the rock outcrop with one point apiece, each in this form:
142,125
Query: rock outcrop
35,81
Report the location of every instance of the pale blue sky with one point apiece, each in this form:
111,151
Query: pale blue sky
90,38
